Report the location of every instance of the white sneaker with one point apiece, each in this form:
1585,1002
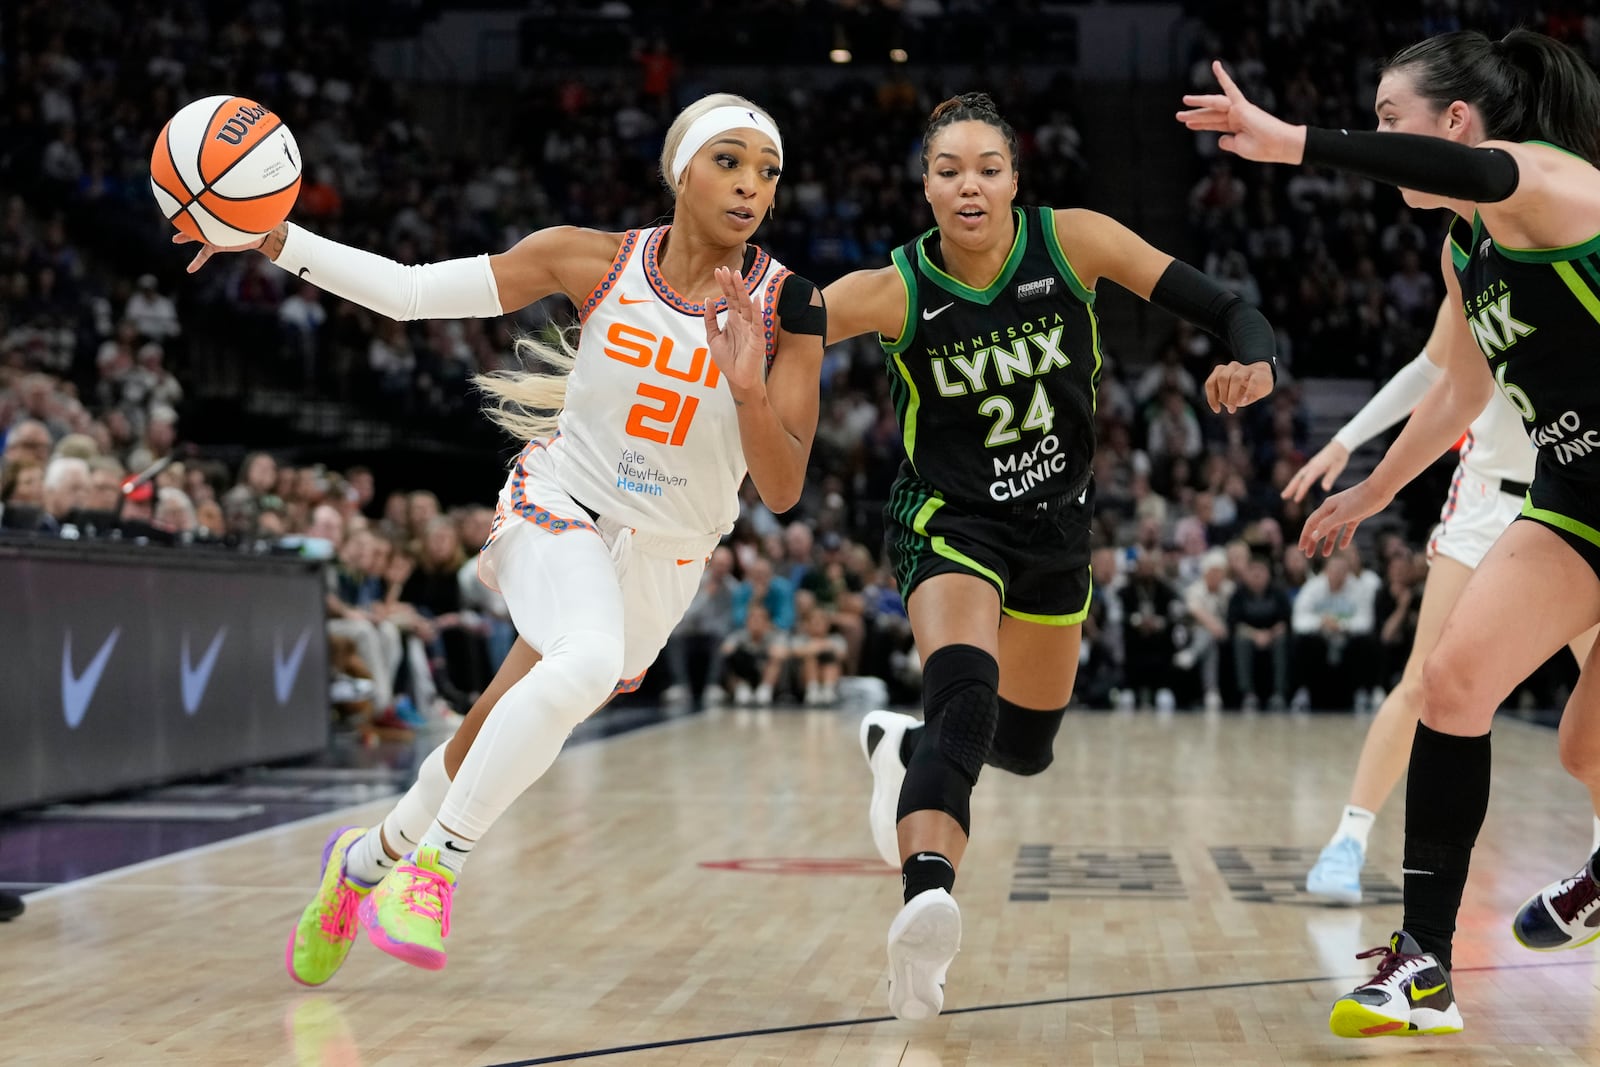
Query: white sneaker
923,941
813,694
887,774
763,695
1166,702
743,694
714,697
1213,700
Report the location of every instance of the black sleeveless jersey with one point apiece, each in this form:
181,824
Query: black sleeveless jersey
995,387
1535,314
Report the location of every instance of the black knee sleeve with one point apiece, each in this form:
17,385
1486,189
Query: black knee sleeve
1024,739
960,701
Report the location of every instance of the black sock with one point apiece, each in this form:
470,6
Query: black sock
925,871
1447,797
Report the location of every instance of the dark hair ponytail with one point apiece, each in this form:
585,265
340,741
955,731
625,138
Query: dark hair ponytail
968,107
1527,87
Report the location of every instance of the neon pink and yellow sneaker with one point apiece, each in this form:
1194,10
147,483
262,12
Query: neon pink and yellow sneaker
327,928
408,914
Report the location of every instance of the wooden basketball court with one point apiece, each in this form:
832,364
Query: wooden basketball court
706,892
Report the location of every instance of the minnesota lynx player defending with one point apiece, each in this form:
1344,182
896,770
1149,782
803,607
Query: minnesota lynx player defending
612,508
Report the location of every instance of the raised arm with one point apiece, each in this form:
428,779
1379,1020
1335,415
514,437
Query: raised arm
1447,409
1529,195
868,301
777,410
1398,397
561,259
1098,246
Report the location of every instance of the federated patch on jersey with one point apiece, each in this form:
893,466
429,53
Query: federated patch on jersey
796,312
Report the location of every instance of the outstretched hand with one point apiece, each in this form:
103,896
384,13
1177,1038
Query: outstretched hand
1246,129
1333,524
1325,466
739,345
207,249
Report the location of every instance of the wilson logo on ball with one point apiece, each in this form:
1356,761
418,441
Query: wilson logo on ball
225,170
233,131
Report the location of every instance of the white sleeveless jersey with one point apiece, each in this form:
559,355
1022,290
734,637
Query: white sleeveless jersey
1497,445
649,433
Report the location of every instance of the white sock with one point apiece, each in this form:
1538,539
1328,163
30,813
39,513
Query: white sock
1594,842
453,848
368,862
1356,823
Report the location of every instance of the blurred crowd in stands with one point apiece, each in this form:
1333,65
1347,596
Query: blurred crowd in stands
1200,600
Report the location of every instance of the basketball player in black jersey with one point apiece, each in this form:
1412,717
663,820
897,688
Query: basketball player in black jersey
1509,143
987,322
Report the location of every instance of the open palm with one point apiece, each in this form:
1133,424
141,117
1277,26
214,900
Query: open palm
1246,129
739,345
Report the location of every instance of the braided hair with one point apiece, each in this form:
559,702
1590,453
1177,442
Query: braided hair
968,107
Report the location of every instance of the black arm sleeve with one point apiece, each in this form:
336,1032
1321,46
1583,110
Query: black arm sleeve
1191,295
1426,164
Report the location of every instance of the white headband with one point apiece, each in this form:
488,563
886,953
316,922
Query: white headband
720,120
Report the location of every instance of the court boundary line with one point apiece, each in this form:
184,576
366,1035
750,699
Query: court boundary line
977,1009
60,888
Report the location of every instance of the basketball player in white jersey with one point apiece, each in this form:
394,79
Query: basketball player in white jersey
698,359
1486,494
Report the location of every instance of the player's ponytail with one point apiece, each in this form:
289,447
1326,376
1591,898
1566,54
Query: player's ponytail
968,107
1564,93
1525,86
526,403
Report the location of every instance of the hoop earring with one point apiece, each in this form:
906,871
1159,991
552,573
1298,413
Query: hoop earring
772,211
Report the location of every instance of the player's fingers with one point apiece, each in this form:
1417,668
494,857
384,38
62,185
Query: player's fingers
181,238
1228,87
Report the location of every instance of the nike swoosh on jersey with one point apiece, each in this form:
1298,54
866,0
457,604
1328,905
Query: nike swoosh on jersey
635,300
77,690
196,678
285,670
686,562
928,314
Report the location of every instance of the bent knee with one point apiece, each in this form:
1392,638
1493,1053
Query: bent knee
1580,755
588,664
1452,697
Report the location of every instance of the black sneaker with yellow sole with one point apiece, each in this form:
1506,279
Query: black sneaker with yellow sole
1410,996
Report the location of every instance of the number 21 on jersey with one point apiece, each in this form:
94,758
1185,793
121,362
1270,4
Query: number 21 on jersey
663,414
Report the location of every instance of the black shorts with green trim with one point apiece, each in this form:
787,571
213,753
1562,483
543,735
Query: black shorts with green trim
1039,564
1570,509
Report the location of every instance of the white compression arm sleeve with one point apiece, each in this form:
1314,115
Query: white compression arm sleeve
453,289
1391,403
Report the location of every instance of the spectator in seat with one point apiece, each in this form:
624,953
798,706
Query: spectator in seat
761,586
818,651
753,658
1258,618
1334,646
1206,600
1150,609
66,488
